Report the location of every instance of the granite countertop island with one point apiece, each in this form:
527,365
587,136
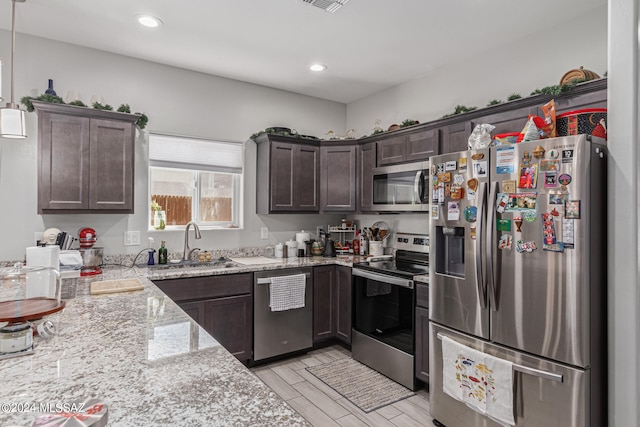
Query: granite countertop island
147,360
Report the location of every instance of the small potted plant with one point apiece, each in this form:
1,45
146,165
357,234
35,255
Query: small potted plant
159,217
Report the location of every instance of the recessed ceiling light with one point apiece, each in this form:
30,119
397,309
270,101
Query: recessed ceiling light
149,21
318,67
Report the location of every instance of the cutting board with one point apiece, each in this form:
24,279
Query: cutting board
113,286
256,260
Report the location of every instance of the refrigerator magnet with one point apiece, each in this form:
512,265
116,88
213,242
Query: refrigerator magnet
503,198
564,179
505,242
518,221
480,169
528,176
568,233
470,213
458,179
550,179
440,168
435,211
472,231
503,225
447,190
451,165
572,209
462,164
529,216
453,211
444,177
549,165
557,198
550,241
522,246
457,192
440,197
505,156
552,154
509,186
567,156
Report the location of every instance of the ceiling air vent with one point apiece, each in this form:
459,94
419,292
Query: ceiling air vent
327,5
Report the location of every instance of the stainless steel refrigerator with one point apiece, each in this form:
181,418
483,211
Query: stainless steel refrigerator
518,239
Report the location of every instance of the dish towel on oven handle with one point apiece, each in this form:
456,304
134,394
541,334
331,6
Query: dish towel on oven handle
483,382
287,292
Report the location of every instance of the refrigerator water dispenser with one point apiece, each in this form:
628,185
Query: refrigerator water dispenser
450,260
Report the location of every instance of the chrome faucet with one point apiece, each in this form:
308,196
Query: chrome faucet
186,256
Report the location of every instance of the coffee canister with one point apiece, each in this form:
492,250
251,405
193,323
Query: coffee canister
292,248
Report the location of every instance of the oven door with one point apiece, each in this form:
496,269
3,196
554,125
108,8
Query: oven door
384,309
401,188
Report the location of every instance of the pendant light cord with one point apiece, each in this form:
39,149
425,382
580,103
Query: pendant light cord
13,46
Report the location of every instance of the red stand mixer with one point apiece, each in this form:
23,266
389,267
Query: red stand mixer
91,257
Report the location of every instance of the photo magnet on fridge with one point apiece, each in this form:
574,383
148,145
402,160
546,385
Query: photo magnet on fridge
550,179
528,176
572,209
462,164
480,169
451,165
509,186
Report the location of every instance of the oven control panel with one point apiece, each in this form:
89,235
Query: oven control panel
412,242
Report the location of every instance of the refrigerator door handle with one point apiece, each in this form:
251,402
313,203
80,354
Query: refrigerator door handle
490,247
538,373
526,370
480,277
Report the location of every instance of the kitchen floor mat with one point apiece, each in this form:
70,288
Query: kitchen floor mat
367,389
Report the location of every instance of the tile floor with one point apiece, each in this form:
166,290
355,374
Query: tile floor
322,406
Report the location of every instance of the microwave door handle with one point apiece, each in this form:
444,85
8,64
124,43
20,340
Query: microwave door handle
490,247
417,187
480,277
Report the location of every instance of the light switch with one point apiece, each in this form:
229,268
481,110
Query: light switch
264,233
132,238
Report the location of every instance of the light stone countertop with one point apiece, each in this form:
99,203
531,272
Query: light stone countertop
145,358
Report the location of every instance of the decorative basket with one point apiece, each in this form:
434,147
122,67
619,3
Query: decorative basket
580,73
590,121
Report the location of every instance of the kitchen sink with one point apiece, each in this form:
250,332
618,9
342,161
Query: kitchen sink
216,263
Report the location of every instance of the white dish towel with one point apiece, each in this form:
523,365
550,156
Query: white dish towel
483,382
287,292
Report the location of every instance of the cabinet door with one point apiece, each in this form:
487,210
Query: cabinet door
366,163
338,178
392,150
423,144
111,164
455,137
195,310
343,312
229,321
63,173
306,177
281,176
324,303
422,344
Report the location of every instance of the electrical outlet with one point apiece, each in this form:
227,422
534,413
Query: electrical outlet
264,233
132,238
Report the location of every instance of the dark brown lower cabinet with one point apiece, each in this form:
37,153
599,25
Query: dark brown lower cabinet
343,304
222,305
422,344
332,303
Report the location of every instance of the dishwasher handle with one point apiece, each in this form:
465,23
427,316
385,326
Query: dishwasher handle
267,280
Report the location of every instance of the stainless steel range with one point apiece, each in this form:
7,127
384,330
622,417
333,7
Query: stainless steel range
384,296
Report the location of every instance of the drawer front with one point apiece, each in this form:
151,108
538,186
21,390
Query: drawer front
193,288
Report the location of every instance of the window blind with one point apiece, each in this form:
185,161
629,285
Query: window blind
196,154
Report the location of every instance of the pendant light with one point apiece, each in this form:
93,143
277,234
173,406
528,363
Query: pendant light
12,118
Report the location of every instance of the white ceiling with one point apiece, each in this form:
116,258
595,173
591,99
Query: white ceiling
368,45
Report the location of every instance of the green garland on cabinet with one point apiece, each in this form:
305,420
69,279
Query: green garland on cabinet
124,108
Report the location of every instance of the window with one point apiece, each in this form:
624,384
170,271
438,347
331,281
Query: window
195,180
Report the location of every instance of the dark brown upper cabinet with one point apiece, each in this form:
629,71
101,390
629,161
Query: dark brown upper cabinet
409,146
288,175
85,160
338,176
366,163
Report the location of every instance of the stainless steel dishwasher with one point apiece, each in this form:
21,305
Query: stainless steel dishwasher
280,332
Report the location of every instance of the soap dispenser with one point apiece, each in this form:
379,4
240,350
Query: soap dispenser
162,254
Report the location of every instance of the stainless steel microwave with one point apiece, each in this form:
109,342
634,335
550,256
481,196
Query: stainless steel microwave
401,188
